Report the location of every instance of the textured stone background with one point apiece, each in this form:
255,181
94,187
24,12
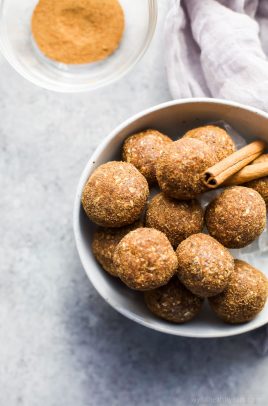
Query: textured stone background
60,344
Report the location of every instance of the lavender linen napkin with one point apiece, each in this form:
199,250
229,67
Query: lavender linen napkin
218,48
214,49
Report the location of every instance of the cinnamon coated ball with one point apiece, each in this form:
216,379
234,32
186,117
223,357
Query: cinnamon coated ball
260,185
143,149
244,297
179,169
105,241
176,219
236,217
115,194
216,138
204,265
145,259
173,302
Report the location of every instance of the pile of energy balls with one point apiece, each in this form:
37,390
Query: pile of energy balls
157,245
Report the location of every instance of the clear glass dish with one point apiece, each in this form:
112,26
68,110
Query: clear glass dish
18,47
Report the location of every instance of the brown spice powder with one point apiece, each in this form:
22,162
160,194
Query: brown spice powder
78,31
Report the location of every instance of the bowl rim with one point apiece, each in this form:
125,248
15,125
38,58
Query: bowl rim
240,329
79,88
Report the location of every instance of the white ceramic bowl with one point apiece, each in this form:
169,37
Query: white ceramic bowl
172,118
17,46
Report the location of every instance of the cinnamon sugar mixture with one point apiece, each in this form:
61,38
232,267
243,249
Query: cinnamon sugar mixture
78,31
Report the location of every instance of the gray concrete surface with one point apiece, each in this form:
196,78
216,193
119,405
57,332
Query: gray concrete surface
60,344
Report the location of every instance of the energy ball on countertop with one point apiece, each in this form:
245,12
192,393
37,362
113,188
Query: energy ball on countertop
173,302
244,297
143,149
177,219
105,241
204,265
180,168
260,185
215,137
236,217
145,259
115,194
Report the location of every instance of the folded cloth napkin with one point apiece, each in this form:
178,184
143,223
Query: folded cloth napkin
214,49
217,48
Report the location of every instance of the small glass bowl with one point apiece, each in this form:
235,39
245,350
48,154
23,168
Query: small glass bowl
17,45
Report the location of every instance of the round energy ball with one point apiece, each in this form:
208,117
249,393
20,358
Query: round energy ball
143,149
115,194
216,138
244,297
180,167
173,302
260,185
105,241
204,265
145,259
177,219
236,217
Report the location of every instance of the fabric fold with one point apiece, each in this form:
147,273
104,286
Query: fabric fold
215,51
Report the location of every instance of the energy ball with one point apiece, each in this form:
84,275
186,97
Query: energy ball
236,217
143,149
173,302
204,265
177,219
115,194
216,138
180,168
260,185
145,259
244,297
105,241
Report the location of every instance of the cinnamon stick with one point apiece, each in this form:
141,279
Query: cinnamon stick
250,172
217,174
